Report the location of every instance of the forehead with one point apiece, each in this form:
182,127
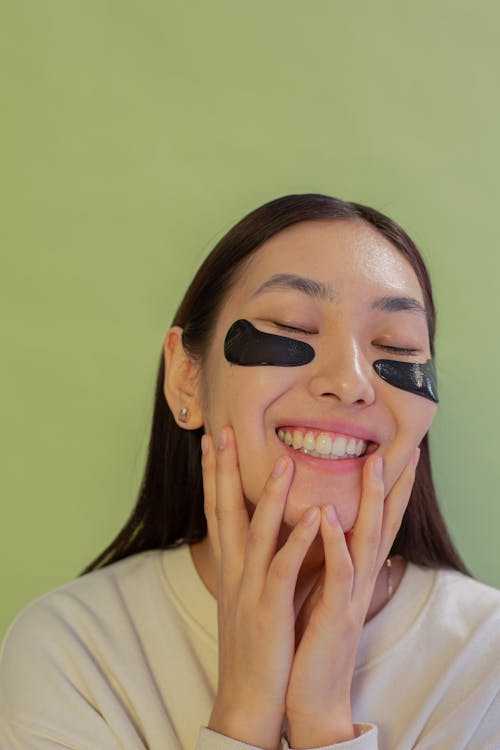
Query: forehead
350,256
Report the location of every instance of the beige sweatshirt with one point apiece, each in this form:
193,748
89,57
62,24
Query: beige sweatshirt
125,658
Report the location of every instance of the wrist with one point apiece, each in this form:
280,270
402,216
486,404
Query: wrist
260,728
316,731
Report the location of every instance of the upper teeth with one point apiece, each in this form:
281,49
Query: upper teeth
323,445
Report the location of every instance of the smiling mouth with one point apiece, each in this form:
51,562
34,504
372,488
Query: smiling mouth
326,445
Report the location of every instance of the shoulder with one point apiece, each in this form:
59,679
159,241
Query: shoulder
122,604
464,600
459,635
454,606
436,612
102,590
435,641
460,625
105,595
76,661
66,631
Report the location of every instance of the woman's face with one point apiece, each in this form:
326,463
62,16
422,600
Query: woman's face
347,316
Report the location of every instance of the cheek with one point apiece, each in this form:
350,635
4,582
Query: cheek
250,396
250,391
414,420
420,417
241,397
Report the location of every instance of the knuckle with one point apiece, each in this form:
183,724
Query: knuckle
261,621
300,536
229,513
344,573
393,525
208,494
372,538
368,538
349,624
255,538
222,512
406,483
269,490
209,508
281,569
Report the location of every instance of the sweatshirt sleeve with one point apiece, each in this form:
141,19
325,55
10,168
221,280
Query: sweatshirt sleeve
487,735
366,740
54,693
210,740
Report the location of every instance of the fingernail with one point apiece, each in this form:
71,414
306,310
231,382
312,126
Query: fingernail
310,516
204,444
222,442
279,467
331,515
377,467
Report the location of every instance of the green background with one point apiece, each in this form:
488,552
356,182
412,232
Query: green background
133,135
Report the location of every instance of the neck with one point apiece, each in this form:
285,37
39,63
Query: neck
386,584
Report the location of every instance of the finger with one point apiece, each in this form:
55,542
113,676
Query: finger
209,491
364,542
396,503
309,605
230,510
285,566
339,571
266,523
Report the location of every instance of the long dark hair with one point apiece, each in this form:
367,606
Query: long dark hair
169,509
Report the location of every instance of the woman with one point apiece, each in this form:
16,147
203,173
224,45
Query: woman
301,587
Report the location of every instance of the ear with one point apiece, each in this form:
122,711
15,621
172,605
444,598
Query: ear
181,385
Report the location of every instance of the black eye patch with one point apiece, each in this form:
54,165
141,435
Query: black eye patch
247,346
410,376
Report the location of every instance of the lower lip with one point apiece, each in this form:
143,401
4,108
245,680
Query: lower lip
328,465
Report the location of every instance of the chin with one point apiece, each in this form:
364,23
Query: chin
343,493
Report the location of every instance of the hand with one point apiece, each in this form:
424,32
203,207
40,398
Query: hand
330,623
255,594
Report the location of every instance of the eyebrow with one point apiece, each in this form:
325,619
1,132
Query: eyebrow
398,304
312,288
324,292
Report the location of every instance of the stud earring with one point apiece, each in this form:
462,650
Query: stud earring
183,415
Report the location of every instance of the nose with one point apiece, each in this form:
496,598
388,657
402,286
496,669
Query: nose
343,374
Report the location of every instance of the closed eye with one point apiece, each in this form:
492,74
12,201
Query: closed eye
403,351
291,329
